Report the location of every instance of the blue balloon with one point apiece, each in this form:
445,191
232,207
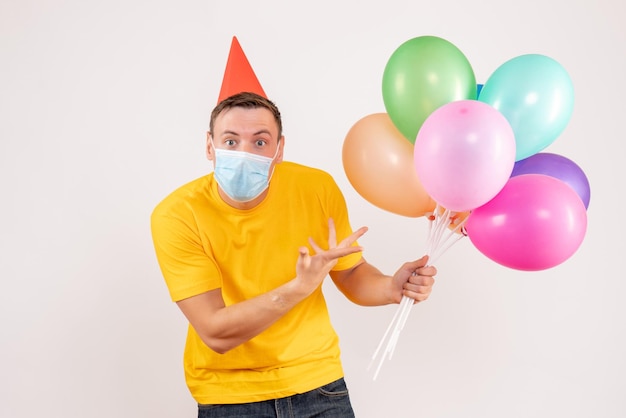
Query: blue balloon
536,95
479,87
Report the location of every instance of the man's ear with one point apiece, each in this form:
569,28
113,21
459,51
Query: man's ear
210,151
281,147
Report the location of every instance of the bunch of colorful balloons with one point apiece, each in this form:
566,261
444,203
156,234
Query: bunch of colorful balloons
446,143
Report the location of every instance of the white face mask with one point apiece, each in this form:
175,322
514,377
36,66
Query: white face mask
241,175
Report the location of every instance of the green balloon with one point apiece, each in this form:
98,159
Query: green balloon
421,75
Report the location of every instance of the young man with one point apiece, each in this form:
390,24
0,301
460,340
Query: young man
232,247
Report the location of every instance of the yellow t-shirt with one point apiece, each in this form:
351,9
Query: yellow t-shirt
202,244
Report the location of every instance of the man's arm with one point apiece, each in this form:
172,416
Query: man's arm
223,328
365,285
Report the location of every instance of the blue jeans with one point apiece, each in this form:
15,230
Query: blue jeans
329,401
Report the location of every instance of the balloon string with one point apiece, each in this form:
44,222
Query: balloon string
396,323
439,222
380,345
451,232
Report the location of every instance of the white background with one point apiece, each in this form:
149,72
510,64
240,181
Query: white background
103,111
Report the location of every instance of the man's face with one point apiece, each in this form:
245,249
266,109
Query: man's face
250,130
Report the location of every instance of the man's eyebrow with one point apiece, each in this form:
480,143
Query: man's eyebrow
262,131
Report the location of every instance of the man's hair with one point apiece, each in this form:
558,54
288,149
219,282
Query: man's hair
247,100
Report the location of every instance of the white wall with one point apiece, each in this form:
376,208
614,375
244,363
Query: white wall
103,111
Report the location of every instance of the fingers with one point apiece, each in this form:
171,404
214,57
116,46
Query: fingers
426,271
419,294
417,264
418,287
332,234
303,258
334,251
420,267
332,254
339,252
332,239
315,247
420,280
354,237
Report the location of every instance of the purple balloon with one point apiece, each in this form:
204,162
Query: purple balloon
559,167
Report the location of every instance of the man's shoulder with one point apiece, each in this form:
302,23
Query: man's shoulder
291,168
183,196
301,177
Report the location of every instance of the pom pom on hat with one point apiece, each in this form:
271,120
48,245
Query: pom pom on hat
239,75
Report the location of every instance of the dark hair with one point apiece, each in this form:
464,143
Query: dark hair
247,100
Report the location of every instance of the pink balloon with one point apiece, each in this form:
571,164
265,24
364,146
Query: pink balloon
464,154
536,222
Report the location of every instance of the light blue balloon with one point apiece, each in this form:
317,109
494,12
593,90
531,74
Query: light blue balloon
536,95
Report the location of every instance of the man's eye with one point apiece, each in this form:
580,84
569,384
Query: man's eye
260,143
229,142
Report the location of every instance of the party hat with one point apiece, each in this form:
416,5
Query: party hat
238,75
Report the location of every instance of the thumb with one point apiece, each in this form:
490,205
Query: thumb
419,263
303,256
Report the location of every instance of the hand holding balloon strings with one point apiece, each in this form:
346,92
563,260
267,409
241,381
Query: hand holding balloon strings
443,225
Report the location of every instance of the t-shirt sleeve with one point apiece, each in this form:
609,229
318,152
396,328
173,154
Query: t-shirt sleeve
186,267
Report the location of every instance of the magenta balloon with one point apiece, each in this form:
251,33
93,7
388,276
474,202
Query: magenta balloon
536,222
464,154
557,166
